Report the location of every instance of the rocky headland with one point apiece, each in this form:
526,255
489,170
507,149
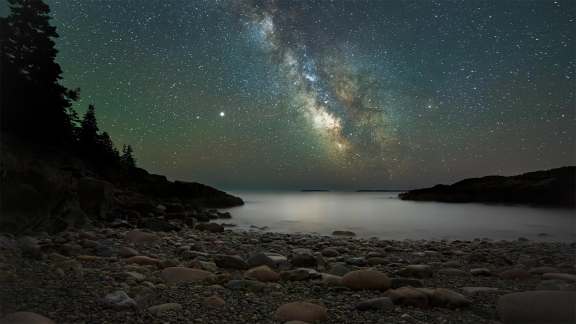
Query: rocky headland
555,187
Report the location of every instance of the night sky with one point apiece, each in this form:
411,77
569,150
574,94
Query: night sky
327,94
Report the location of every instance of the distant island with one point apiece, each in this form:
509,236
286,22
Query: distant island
555,187
315,190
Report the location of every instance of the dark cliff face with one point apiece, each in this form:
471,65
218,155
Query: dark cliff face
555,187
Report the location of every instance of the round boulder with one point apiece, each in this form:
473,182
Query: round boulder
301,311
366,279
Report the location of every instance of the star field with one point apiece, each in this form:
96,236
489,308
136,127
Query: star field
336,94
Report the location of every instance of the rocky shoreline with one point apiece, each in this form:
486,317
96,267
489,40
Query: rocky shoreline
206,274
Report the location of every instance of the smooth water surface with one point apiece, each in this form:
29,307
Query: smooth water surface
385,216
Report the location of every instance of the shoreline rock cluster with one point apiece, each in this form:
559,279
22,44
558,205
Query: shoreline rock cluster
210,275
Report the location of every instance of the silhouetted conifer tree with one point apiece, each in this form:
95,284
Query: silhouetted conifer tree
127,157
34,105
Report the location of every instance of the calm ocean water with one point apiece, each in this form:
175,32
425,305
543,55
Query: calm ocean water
383,215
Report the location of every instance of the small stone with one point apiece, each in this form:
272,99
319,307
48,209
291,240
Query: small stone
127,252
301,311
230,262
480,272
560,276
416,271
405,282
338,268
408,296
373,261
249,285
135,275
162,308
119,299
472,291
210,227
273,260
25,318
138,237
175,275
448,298
382,303
142,260
262,273
303,258
344,233
366,279
214,301
515,274
330,252
452,272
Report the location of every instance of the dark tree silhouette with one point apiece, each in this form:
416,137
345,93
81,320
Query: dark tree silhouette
88,133
34,105
127,157
109,152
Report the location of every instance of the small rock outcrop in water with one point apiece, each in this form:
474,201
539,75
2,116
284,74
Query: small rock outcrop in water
555,187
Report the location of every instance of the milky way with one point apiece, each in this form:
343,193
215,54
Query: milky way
338,101
349,95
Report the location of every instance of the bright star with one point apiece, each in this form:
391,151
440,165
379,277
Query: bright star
222,114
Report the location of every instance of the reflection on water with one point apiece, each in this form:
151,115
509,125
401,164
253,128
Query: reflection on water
383,215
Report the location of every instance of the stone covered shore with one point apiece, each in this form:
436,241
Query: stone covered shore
210,275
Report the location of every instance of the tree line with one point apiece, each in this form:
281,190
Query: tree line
34,106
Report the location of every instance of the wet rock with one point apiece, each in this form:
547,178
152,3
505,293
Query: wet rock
25,318
550,307
127,252
262,273
366,279
331,280
382,303
299,274
230,262
301,311
175,275
344,233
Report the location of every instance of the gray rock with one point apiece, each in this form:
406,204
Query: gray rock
119,299
339,268
472,291
273,260
162,308
210,227
538,307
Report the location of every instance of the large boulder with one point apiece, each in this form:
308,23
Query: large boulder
273,260
230,262
538,307
366,279
262,273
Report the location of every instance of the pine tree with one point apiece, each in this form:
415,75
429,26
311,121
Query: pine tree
88,134
34,105
127,157
108,151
